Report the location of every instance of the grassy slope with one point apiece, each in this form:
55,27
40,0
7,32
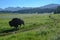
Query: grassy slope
37,27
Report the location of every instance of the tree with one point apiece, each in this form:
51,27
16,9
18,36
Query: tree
57,10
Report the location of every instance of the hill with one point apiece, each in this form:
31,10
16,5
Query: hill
44,9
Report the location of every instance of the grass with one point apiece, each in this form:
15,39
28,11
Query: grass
37,27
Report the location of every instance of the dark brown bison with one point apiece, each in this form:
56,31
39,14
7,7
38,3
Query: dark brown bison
15,22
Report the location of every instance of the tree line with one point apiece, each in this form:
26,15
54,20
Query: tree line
35,10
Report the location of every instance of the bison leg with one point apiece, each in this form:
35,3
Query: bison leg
16,26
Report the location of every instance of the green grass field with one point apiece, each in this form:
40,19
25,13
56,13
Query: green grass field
37,27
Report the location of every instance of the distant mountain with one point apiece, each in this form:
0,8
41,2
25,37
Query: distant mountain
1,9
14,8
52,6
44,9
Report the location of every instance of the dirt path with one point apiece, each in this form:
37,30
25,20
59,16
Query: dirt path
21,30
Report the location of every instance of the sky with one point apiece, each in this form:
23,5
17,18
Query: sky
26,3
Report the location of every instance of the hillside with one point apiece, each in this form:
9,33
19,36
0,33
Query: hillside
44,9
52,6
37,27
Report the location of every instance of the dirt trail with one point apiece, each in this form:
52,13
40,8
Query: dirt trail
21,30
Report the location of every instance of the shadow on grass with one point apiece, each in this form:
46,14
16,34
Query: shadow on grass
7,32
13,31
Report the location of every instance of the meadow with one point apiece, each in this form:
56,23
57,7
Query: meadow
37,27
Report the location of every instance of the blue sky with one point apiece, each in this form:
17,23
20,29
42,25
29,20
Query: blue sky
26,3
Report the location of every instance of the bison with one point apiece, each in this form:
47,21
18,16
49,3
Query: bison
15,22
